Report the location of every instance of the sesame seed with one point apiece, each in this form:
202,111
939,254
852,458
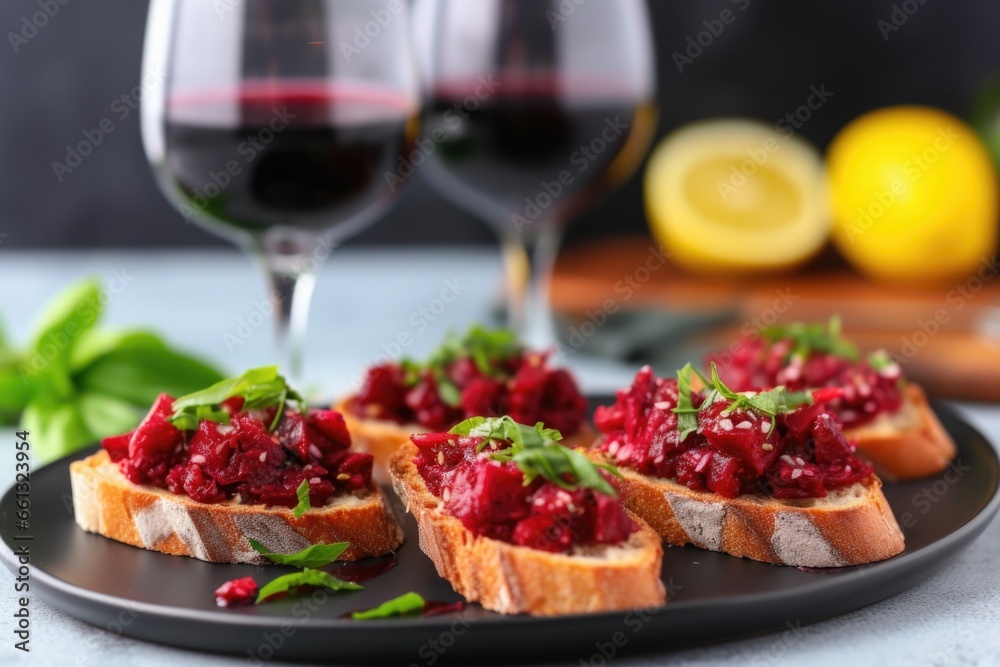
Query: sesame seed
767,447
726,424
744,425
847,468
765,426
343,477
613,447
315,480
198,458
796,473
663,405
799,461
446,495
263,456
314,452
441,458
787,459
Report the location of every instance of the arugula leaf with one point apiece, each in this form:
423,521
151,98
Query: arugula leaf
303,495
314,556
260,388
537,453
405,604
809,338
290,583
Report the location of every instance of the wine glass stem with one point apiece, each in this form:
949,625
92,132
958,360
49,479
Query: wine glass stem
529,266
290,284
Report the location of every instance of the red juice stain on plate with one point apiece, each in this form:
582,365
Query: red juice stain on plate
359,571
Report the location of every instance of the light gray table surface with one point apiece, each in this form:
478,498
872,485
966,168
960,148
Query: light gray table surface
367,298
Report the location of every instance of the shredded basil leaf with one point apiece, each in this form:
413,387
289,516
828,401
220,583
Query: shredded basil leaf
537,453
302,493
260,388
290,583
809,338
314,556
405,604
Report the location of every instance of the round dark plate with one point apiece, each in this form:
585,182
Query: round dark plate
712,596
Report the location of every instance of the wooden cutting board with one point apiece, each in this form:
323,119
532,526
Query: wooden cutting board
945,337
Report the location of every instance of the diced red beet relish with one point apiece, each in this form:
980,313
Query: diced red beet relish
524,387
236,592
491,499
216,462
866,392
803,455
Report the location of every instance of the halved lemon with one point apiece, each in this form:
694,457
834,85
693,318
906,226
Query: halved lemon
736,195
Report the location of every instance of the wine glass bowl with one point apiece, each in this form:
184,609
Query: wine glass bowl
535,115
269,133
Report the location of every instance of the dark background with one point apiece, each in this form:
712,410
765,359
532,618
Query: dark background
65,79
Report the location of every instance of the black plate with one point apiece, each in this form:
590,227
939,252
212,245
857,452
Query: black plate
713,596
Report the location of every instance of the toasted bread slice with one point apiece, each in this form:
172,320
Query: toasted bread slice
107,503
907,444
850,526
381,438
512,579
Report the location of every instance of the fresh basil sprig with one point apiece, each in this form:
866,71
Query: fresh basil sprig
314,556
290,583
815,337
76,383
537,453
260,388
404,605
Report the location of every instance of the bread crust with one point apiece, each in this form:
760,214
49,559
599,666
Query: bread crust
850,527
511,579
381,438
908,444
107,503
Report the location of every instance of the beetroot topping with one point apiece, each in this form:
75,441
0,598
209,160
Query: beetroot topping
484,373
778,443
236,592
515,483
245,438
808,356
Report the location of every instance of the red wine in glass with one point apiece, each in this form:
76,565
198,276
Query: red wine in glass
536,149
297,156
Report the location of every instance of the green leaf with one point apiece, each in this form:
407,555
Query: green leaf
687,414
96,343
290,583
537,453
303,495
68,316
315,556
405,604
57,427
260,388
807,339
105,416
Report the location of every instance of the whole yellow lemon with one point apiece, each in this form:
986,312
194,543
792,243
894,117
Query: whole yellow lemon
914,196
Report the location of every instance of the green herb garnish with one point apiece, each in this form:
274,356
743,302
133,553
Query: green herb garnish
406,604
260,388
315,556
768,403
302,493
536,452
290,583
75,383
487,348
810,338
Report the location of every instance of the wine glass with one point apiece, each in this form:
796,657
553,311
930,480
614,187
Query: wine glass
273,123
534,109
